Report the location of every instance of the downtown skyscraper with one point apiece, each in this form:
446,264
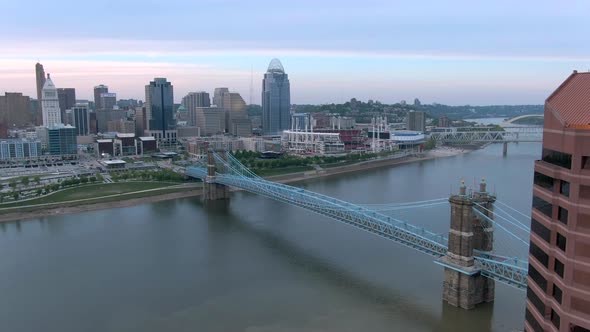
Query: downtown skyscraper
276,99
159,96
50,104
40,80
67,100
98,91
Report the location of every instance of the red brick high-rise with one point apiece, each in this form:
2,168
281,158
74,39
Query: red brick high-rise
558,294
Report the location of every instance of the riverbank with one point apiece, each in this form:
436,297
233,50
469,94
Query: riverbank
106,202
441,152
40,211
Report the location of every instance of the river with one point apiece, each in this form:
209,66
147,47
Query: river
254,264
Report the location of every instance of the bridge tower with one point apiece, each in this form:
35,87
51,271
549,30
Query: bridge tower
213,191
464,286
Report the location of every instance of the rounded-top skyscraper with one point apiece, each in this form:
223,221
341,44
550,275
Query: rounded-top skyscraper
276,99
275,66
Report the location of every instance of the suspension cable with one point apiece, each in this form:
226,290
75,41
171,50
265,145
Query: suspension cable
507,220
513,209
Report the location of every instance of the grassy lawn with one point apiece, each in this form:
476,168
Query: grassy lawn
91,191
342,163
285,170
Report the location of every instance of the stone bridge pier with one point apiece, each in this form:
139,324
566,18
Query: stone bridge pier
464,286
213,191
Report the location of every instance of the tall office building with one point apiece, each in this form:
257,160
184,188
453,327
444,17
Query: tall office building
105,116
558,294
40,80
81,119
67,99
196,99
276,99
98,90
159,96
15,110
218,96
210,120
107,101
140,121
61,141
236,118
50,104
416,120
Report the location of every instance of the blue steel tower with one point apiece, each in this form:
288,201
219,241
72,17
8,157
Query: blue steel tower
276,99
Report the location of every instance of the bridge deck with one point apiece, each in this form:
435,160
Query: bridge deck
502,269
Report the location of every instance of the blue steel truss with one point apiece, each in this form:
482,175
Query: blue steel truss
230,172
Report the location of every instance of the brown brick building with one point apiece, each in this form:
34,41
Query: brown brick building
15,110
558,294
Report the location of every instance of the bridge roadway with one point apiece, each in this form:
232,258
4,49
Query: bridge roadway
510,134
507,270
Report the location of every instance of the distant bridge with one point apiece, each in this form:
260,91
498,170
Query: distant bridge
526,116
476,135
467,253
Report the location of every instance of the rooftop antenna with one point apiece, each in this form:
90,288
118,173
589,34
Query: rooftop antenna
251,82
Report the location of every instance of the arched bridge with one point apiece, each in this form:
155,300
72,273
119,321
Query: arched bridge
526,116
471,264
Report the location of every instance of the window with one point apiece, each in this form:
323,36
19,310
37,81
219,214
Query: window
557,294
535,300
585,162
561,242
543,181
539,254
564,188
543,206
555,319
575,328
540,230
537,278
558,268
533,322
557,158
562,215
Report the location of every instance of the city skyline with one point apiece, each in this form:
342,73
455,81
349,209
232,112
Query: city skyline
479,54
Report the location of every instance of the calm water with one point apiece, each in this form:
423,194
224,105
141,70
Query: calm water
253,264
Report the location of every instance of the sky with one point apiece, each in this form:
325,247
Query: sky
454,52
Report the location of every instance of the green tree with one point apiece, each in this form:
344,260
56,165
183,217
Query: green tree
39,191
99,178
15,195
37,179
430,144
24,180
12,184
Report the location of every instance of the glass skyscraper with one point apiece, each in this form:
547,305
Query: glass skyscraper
160,109
276,99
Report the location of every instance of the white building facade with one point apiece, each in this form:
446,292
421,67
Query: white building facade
50,104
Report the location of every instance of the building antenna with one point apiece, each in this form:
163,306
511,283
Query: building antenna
251,82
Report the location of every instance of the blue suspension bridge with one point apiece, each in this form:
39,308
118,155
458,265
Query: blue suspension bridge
467,253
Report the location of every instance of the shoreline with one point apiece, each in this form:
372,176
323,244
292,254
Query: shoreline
284,179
